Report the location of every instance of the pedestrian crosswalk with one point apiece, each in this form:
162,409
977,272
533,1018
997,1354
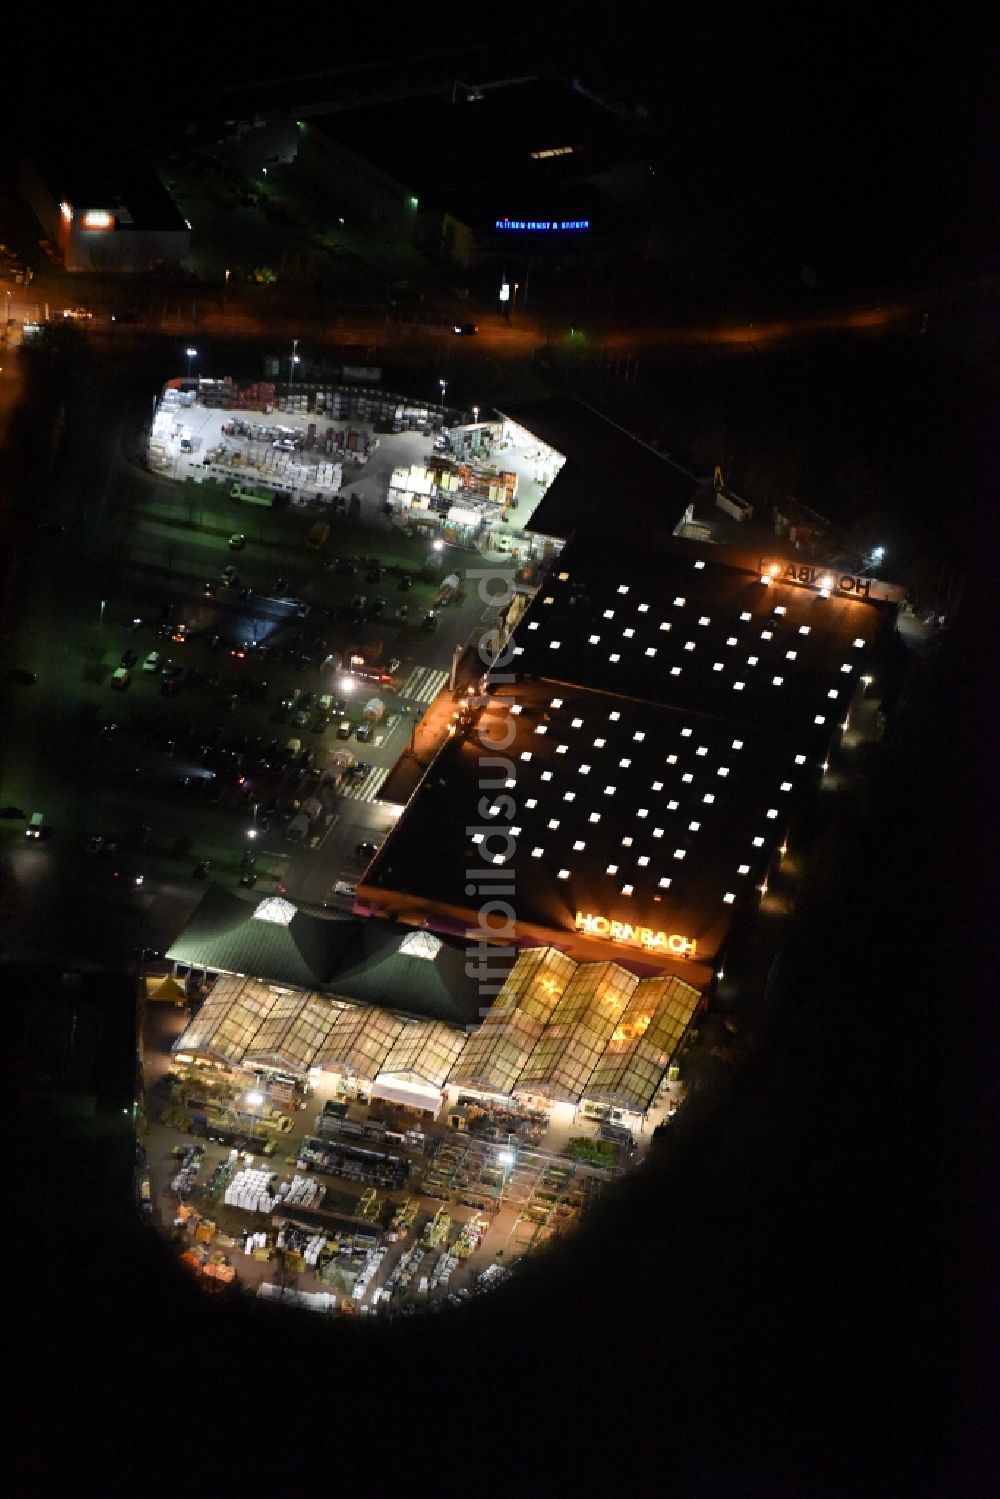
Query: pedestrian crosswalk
423,684
367,787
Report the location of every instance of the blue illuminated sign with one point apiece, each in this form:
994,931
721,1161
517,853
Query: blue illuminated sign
541,226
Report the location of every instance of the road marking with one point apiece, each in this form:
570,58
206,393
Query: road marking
367,789
423,684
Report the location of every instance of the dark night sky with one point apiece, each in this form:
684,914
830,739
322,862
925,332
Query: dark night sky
812,1261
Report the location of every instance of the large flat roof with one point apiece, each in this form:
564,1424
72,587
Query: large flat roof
611,484
438,148
649,789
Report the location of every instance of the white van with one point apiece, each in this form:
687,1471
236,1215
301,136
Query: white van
35,825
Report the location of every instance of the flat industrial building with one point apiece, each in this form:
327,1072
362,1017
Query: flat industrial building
649,732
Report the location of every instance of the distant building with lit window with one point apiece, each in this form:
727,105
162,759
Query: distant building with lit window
107,215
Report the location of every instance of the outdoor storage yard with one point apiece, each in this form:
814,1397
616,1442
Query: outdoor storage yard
355,1205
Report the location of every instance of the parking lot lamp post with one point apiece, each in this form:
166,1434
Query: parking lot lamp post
444,389
293,361
256,1102
191,354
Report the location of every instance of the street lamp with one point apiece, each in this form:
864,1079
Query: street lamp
444,386
191,354
256,1101
293,361
475,416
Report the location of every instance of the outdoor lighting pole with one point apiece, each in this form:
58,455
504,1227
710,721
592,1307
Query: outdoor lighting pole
191,354
293,361
256,1101
444,387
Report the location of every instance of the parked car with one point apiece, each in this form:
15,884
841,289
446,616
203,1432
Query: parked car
366,850
429,621
364,731
237,542
466,329
152,662
344,729
120,678
129,657
36,826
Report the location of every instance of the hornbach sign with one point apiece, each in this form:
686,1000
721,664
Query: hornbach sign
636,936
828,579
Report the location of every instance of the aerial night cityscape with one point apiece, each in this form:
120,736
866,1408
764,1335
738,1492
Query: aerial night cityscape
493,513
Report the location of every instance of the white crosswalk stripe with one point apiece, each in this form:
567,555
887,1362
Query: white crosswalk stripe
423,684
368,787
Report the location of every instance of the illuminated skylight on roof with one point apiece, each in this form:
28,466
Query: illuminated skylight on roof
675,671
743,869
704,620
614,658
718,666
579,845
723,770
609,614
642,812
563,874
786,786
561,749
515,832
553,822
800,759
859,644
686,733
738,686
790,655
477,837
536,853
698,566
614,715
804,629
651,650
595,817
542,728
533,624
643,860
576,723
687,777
758,842
638,736
665,625
600,743
664,882
847,667
709,797
772,813
657,832
531,802
737,744
672,806
643,608
624,764
776,681
832,693
689,645
751,660
593,640
680,853
679,602
627,842
765,635
779,608
657,785
609,790
569,796
729,897
548,599
554,645
623,588
546,775
701,750
732,640
611,869
525,755
584,770
515,709
746,615
498,858
626,890
671,759
819,719
272,908
421,945
694,827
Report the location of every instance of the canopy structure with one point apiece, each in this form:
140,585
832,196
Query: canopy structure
293,1032
643,1043
426,1052
229,1019
358,1042
495,1056
582,1022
